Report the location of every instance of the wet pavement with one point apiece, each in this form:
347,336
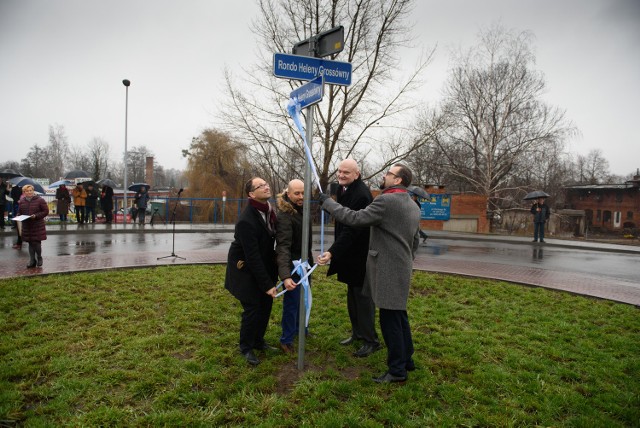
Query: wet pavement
607,271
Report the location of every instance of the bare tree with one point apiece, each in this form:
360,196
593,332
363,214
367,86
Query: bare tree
99,154
57,151
495,122
136,160
592,168
35,163
348,119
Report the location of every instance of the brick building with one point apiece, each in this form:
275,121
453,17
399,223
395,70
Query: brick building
607,207
468,212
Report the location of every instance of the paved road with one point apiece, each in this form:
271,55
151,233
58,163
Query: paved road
595,269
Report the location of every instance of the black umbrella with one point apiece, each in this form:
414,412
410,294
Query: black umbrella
135,187
77,173
23,181
107,182
418,191
86,184
9,173
535,195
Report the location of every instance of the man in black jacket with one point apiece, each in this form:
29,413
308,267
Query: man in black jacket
541,214
251,267
348,256
288,250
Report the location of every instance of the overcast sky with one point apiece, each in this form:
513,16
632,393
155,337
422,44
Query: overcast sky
62,62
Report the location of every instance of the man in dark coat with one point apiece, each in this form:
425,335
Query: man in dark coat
348,256
90,204
4,190
288,250
394,220
106,203
251,267
541,213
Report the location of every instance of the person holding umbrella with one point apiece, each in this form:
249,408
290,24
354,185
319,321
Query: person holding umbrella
541,213
90,203
141,200
16,194
33,228
106,203
63,202
4,190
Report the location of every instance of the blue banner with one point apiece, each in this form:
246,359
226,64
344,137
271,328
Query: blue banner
436,207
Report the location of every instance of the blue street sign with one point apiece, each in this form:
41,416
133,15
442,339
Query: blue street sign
307,68
310,93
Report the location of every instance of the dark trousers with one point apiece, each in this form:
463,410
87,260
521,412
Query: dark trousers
397,336
253,325
108,216
362,313
290,314
35,250
80,214
538,231
90,214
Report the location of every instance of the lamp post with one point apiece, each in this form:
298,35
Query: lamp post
126,83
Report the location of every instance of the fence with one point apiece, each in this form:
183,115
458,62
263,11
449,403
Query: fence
187,210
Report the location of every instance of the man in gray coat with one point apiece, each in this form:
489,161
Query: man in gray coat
394,221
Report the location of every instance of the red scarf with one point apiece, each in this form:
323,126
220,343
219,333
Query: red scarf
271,215
394,190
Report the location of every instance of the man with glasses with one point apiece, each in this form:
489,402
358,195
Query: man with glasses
251,268
394,220
348,256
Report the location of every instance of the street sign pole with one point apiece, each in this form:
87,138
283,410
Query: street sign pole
306,222
306,64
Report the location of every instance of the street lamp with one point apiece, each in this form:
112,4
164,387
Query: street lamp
126,83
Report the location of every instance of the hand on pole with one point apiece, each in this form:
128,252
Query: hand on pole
324,258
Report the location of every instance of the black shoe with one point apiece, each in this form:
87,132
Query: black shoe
535,240
348,341
411,366
388,378
31,264
251,358
542,241
367,349
39,263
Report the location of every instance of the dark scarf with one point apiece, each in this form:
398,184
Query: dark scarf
271,214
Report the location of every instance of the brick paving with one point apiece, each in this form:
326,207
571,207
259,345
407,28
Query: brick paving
598,287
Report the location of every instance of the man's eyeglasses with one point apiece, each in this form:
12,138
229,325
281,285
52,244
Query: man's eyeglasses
391,173
260,186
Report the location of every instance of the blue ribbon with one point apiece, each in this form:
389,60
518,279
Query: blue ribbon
293,107
303,270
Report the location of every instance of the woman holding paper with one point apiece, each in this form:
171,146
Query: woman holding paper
33,227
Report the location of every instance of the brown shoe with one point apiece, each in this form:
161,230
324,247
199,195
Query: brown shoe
287,348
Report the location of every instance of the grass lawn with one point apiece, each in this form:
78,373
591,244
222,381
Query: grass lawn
158,346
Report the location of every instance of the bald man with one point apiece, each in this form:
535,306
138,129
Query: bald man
348,256
288,249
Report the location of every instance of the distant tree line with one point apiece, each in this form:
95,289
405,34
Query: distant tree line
57,157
